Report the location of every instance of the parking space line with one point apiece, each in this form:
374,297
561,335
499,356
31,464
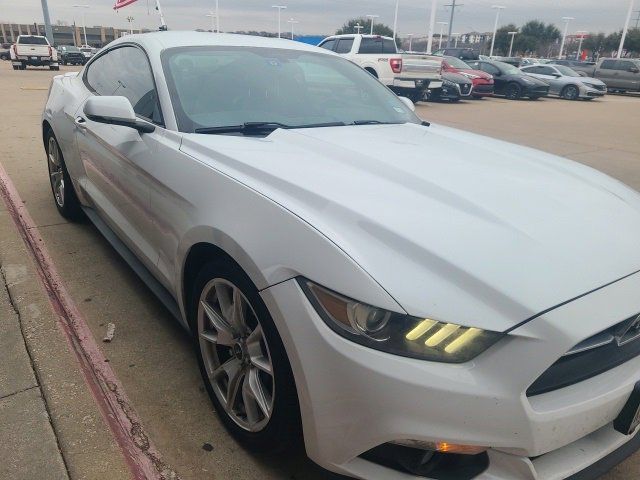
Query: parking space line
142,458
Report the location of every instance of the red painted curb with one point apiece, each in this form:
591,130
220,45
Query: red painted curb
142,458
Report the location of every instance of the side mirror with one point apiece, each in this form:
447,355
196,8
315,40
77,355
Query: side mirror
634,70
408,103
115,111
582,74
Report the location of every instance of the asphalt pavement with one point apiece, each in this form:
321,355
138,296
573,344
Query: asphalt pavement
50,426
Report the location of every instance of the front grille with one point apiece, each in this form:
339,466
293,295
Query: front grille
591,357
465,88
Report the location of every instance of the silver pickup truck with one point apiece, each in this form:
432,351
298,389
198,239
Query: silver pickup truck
407,74
619,74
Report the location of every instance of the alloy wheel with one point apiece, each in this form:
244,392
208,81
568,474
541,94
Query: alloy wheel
236,355
56,172
571,92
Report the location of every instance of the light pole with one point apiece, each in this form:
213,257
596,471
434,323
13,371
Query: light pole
292,22
564,35
432,24
395,20
625,29
84,24
280,8
130,20
513,35
442,24
372,17
213,17
456,36
410,35
358,27
498,8
47,22
217,17
581,35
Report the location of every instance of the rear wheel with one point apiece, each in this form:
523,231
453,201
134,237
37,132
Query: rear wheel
513,91
16,67
64,195
242,359
570,92
54,68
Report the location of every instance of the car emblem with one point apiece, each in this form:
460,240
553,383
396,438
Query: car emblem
629,332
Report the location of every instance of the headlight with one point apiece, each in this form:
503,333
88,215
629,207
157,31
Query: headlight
448,83
397,333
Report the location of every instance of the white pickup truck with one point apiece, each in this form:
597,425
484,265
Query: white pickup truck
33,50
408,75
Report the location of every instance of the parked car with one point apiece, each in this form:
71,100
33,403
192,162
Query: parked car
567,83
33,50
408,75
70,55
461,53
404,300
620,74
515,61
482,82
87,51
511,81
5,54
455,87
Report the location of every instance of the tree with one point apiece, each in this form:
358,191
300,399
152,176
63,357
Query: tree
594,42
503,39
378,28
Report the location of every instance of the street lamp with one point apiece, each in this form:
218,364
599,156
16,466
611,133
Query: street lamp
410,35
213,17
372,17
442,25
292,22
84,24
456,36
625,29
513,35
580,33
130,20
432,24
358,27
495,26
564,35
280,8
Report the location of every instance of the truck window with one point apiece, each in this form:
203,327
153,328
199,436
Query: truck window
329,44
31,40
626,66
389,46
344,45
371,45
608,65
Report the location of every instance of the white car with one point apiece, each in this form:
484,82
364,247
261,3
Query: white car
411,300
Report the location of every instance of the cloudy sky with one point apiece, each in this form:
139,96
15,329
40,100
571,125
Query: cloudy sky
324,16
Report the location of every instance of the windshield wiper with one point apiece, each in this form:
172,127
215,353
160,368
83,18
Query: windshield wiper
252,128
373,122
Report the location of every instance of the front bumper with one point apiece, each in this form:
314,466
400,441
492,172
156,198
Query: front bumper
589,92
354,398
34,61
482,89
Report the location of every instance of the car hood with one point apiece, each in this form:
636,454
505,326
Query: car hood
595,81
456,78
478,73
455,226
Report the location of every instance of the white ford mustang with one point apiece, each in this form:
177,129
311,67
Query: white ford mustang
411,300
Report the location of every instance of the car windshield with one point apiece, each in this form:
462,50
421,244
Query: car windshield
507,68
214,87
87,49
70,49
566,71
457,63
32,40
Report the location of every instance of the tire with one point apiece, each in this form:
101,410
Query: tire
54,68
23,67
63,62
570,92
245,357
16,67
416,96
513,91
64,195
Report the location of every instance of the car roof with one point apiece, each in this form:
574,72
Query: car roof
158,41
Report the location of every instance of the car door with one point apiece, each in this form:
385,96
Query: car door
498,81
551,76
608,73
118,160
628,73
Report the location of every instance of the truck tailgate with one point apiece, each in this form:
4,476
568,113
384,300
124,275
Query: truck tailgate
27,50
421,66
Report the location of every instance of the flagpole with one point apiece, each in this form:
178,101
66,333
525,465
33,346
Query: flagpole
163,24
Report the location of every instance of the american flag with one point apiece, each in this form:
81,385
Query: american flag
122,3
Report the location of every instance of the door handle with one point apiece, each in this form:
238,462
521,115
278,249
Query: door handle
81,122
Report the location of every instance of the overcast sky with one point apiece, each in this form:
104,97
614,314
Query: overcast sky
325,16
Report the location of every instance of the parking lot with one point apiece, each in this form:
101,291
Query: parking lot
151,354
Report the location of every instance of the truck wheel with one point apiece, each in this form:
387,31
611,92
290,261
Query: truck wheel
23,67
416,96
16,67
54,68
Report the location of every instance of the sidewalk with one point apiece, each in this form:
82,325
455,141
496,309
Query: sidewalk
50,425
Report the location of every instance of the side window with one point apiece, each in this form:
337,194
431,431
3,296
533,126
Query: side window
344,45
626,66
474,65
389,46
329,44
370,45
608,65
488,68
126,71
546,71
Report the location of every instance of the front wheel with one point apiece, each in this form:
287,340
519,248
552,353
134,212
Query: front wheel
570,92
64,195
513,91
54,68
242,360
